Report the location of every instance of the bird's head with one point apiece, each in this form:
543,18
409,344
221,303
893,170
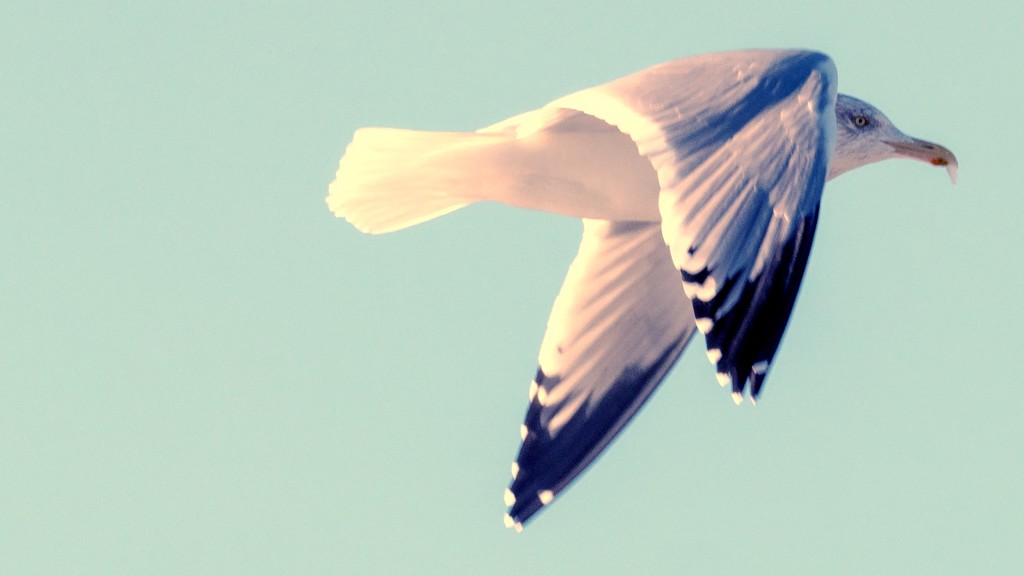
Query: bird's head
865,135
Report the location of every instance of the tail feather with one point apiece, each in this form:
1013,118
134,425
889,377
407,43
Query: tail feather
391,179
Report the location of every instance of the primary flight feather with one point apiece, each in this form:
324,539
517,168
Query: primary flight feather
698,181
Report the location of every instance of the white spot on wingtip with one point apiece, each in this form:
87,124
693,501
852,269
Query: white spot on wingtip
704,325
690,289
515,470
714,355
533,390
723,379
509,522
546,496
518,527
708,290
737,398
759,367
523,431
542,395
509,498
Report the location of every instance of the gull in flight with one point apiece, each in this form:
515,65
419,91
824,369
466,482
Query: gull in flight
698,181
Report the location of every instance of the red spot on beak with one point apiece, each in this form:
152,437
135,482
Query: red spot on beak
940,162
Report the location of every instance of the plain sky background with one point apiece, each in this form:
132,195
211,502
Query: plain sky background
203,372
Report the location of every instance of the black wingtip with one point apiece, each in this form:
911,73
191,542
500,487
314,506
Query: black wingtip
549,461
756,384
524,508
743,332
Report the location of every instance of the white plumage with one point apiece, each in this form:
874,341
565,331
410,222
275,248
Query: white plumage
699,183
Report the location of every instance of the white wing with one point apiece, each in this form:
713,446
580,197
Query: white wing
741,143
618,325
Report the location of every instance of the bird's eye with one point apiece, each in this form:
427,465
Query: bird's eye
860,121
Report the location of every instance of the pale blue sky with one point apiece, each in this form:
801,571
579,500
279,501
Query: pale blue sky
203,372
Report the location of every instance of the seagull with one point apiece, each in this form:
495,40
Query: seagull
698,181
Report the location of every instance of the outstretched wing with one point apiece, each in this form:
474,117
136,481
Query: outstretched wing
741,142
618,325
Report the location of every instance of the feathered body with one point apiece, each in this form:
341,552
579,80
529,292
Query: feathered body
698,182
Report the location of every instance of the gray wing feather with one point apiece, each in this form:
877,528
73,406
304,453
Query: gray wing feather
618,325
741,143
